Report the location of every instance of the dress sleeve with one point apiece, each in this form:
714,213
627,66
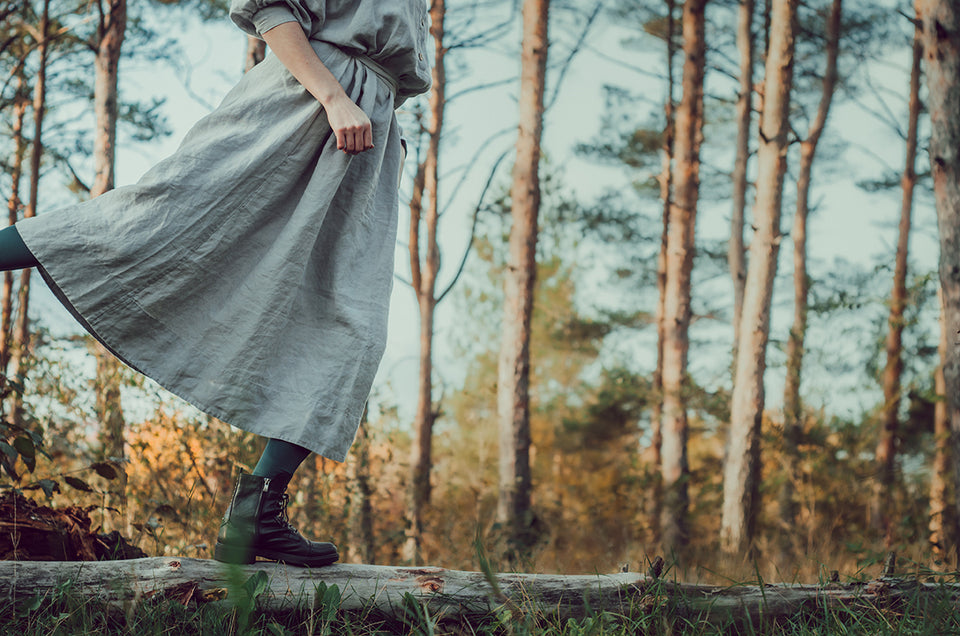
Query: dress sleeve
256,17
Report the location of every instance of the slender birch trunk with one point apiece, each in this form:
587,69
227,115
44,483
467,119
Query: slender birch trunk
893,370
792,408
513,397
940,22
424,279
742,464
736,258
679,266
21,336
666,187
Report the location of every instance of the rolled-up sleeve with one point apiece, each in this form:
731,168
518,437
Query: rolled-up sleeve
256,17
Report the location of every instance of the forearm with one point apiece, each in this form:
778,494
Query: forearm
349,123
291,46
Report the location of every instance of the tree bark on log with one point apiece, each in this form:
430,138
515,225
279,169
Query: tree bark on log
451,593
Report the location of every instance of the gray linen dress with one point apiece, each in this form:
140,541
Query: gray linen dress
250,272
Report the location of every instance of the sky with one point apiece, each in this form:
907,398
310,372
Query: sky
848,225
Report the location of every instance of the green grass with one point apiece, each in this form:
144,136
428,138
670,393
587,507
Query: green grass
64,612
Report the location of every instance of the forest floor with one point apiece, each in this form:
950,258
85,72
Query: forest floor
66,614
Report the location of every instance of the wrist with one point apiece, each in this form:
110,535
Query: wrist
329,95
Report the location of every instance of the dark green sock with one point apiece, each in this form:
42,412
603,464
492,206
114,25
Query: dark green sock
13,253
280,459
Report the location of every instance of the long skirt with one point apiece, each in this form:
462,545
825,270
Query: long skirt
250,272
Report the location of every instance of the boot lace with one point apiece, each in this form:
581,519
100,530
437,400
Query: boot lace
282,514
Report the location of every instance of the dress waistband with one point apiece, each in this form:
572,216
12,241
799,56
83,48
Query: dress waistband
377,68
324,48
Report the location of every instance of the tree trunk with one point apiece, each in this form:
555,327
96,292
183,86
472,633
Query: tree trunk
13,213
111,31
742,463
361,547
679,265
20,348
887,446
942,513
735,251
453,594
256,50
941,50
655,508
792,408
513,399
424,279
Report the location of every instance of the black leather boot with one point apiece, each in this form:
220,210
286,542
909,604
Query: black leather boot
256,525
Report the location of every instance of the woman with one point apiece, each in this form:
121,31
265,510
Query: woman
250,272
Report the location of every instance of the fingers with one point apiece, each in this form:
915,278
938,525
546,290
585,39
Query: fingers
350,125
355,139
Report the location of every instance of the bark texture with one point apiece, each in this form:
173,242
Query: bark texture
940,21
513,372
424,278
741,470
736,258
792,407
679,266
449,594
893,369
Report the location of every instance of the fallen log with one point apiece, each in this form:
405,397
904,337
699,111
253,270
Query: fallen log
450,593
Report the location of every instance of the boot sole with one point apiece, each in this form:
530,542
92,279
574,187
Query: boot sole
226,553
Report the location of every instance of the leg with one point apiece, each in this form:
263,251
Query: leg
256,521
13,253
280,459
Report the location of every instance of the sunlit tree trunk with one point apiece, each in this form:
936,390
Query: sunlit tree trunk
736,260
940,20
942,513
424,281
666,189
887,445
13,212
742,463
792,408
679,266
513,399
21,335
256,50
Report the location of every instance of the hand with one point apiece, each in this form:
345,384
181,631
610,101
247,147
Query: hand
350,124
